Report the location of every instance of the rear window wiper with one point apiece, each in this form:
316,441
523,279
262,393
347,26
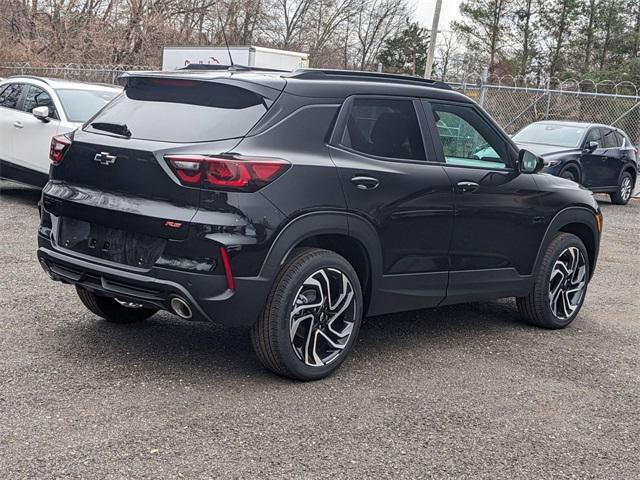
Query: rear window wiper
117,128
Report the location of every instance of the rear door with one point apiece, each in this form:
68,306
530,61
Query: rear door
10,95
391,176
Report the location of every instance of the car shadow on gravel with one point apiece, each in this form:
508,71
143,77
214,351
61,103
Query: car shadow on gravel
20,194
201,352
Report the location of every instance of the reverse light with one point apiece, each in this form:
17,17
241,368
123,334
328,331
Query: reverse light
226,172
59,146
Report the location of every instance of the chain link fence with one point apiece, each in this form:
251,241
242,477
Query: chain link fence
514,106
513,101
94,73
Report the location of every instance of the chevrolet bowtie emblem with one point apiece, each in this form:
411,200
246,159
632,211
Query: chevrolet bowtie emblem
104,158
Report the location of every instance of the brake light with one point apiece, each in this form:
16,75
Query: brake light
59,146
226,172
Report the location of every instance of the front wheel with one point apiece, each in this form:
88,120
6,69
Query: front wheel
312,316
625,189
560,284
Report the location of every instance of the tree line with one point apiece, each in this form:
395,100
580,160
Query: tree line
336,33
597,39
536,39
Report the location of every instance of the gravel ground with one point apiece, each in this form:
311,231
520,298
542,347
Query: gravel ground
458,392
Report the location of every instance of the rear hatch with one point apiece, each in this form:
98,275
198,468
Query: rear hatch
114,186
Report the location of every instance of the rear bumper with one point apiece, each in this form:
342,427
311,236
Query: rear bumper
207,295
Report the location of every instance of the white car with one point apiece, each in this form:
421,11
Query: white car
32,111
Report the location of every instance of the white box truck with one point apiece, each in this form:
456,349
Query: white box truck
249,56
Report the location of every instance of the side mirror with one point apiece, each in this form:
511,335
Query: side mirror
591,146
529,162
41,113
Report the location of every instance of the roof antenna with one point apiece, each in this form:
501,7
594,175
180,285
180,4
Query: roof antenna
225,37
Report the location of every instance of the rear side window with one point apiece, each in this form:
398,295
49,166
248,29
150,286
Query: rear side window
184,111
609,139
621,140
384,128
10,95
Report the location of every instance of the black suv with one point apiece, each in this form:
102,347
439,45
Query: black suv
600,157
297,203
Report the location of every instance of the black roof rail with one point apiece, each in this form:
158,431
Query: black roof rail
321,74
231,68
32,77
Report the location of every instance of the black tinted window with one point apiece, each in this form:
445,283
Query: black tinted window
385,128
37,97
10,95
184,110
609,139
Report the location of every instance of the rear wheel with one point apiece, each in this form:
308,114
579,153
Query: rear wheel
312,316
113,310
625,189
560,284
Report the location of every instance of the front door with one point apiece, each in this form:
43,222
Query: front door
31,141
497,227
599,165
390,175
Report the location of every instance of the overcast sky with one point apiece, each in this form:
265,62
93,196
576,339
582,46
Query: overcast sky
424,12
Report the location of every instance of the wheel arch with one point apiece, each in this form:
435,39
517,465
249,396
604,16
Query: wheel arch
579,221
346,234
574,165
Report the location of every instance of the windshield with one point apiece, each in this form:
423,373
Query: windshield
550,134
81,105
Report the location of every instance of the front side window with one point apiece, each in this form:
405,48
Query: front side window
594,136
10,95
384,128
37,97
467,139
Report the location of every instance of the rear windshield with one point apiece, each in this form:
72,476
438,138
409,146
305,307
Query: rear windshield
184,111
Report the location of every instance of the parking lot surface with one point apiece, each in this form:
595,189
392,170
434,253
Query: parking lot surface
467,391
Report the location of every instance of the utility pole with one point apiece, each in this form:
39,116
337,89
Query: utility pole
432,40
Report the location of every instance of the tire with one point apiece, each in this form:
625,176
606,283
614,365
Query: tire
281,337
537,307
109,309
625,190
569,174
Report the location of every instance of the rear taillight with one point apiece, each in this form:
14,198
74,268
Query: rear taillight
226,172
59,146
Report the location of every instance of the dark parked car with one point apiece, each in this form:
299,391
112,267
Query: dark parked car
600,157
297,203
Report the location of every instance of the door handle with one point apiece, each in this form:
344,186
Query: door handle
18,124
467,187
365,183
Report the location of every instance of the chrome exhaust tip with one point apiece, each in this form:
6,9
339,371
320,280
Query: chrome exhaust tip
181,308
